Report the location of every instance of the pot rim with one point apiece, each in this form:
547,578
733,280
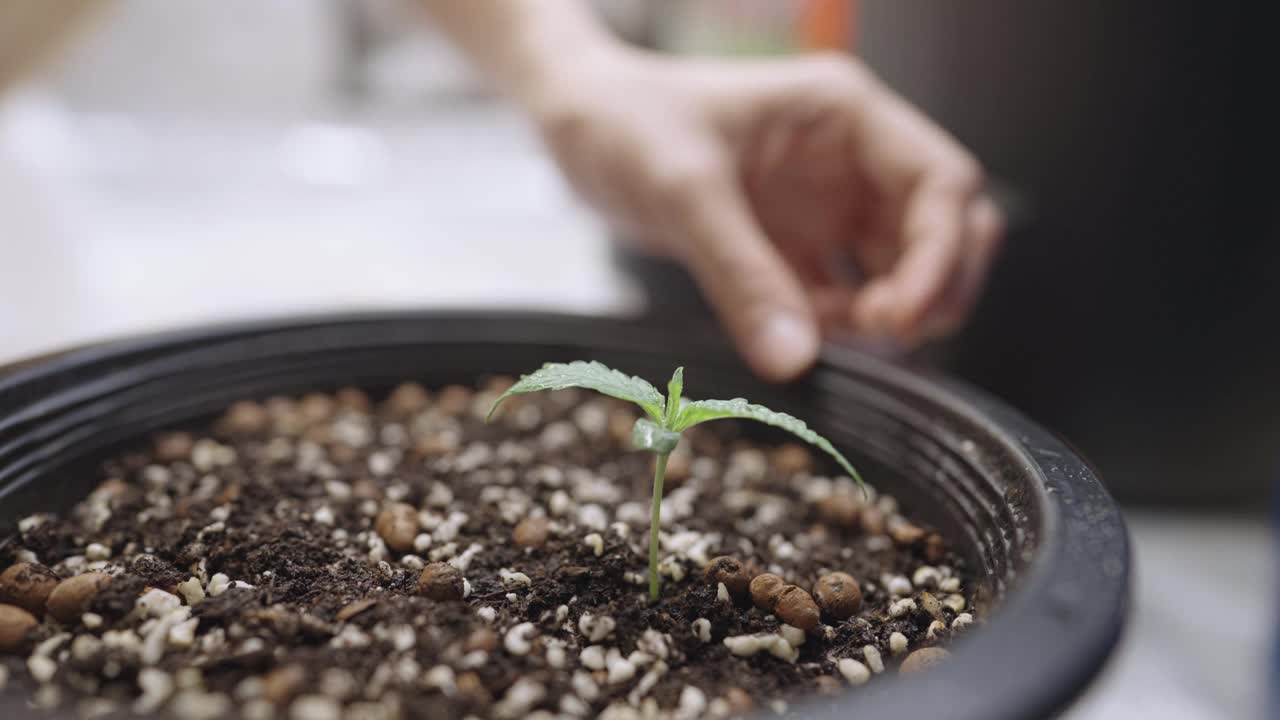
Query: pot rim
1018,664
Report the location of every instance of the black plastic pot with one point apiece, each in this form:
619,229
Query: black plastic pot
1024,508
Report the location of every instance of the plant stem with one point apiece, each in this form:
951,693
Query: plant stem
659,470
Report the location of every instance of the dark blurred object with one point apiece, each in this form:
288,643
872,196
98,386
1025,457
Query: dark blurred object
1134,307
1135,311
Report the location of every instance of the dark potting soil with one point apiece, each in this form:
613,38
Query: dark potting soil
251,573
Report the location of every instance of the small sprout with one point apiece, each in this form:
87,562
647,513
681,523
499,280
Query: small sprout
665,419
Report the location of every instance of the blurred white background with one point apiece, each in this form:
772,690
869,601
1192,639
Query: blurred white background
182,161
178,163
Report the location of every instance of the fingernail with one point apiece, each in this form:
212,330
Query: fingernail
784,347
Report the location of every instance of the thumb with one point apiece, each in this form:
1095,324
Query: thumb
748,283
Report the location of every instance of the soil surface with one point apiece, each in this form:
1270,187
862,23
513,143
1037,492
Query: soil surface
266,567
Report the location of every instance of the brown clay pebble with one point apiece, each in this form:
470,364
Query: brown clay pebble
905,533
840,509
621,423
472,689
791,459
454,400
230,493
872,521
819,533
730,571
319,434
838,595
173,446
531,531
935,548
282,412
797,608
397,525
435,444
407,399
481,639
27,586
355,608
366,489
280,685
15,623
316,408
440,581
68,600
499,384
740,702
678,466
245,418
352,399
343,454
923,659
765,589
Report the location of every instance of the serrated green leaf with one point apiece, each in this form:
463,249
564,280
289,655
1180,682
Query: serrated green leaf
592,376
700,411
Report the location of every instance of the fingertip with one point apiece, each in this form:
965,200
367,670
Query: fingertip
783,346
988,219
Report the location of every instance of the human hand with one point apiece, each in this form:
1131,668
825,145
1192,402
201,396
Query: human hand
804,197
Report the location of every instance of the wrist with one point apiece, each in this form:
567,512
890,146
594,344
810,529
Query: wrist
558,79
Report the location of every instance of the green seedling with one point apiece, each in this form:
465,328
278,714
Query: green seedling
665,418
